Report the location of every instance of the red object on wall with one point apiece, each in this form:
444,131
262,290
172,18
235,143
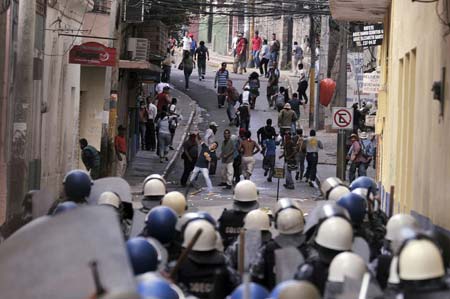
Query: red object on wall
92,53
327,88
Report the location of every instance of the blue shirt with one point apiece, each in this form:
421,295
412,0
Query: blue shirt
201,161
270,146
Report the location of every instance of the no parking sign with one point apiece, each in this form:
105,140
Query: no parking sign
342,118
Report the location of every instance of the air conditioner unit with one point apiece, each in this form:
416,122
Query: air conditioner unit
138,48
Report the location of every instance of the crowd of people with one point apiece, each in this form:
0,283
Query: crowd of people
345,248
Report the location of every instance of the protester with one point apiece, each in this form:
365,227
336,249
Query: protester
164,136
227,152
237,162
302,85
265,57
357,158
239,59
210,138
297,56
290,163
187,65
91,158
152,111
301,154
266,132
120,146
232,96
269,149
167,67
202,165
313,145
254,84
143,119
174,117
243,112
274,48
201,54
295,106
220,82
248,148
189,156
234,43
272,85
187,41
193,44
163,99
285,119
256,48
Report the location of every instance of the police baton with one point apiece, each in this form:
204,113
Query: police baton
185,253
241,260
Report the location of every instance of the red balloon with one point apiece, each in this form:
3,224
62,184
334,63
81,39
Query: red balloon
327,88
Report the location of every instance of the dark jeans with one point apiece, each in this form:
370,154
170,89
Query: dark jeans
361,167
150,136
165,76
221,95
302,87
142,133
244,123
187,74
213,165
264,62
201,65
311,169
301,164
230,111
237,168
188,167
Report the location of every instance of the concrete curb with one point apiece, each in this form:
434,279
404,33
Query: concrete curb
176,153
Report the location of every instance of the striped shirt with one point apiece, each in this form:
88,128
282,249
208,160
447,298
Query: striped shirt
221,78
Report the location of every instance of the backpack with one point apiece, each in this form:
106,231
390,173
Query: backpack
201,52
365,150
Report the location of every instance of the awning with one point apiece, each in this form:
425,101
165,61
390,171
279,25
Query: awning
359,10
139,65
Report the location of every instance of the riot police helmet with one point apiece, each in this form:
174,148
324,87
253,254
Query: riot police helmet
175,200
255,291
294,289
337,192
208,238
77,184
346,264
289,221
188,217
257,220
109,198
143,256
323,212
329,184
398,222
335,233
160,224
155,176
154,188
64,207
245,196
150,285
356,205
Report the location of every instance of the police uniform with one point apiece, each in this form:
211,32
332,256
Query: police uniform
230,225
206,275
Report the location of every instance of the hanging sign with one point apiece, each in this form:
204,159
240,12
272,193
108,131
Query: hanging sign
367,35
92,53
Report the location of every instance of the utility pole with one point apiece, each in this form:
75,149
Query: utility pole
340,100
21,139
312,71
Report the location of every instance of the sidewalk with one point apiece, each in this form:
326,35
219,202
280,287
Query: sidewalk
146,162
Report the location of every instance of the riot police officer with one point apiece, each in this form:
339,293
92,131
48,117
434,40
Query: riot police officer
151,285
333,188
345,264
293,289
112,199
142,255
255,291
64,207
176,201
231,221
205,273
334,235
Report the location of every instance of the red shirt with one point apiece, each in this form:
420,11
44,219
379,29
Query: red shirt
256,43
162,101
240,46
121,144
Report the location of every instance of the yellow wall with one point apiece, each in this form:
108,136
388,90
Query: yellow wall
415,143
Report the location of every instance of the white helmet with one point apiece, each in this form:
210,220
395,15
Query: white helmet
176,201
245,191
299,289
397,223
109,198
335,233
337,192
420,260
346,264
156,177
257,220
154,187
393,271
327,185
290,221
208,238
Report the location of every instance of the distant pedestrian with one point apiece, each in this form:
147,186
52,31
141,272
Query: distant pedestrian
300,157
274,48
120,146
239,59
193,44
285,119
227,156
295,106
163,136
297,57
313,145
269,148
254,84
220,82
237,162
265,58
167,67
143,119
280,99
272,85
188,66
187,41
290,164
357,157
189,156
202,164
248,148
163,99
234,43
266,132
243,60
232,96
201,55
174,117
91,158
150,134
210,138
256,48
173,43
302,85
243,113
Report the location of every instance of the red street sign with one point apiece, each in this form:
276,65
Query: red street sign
342,118
93,53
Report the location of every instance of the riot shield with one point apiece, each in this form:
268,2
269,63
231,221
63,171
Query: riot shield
138,222
287,261
252,245
367,288
112,184
321,212
73,255
163,256
361,248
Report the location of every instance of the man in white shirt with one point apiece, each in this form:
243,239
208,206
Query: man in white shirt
187,41
234,42
210,138
150,132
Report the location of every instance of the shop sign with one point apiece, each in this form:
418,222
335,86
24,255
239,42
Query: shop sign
92,53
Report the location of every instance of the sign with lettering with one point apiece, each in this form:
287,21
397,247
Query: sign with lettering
367,35
92,53
278,173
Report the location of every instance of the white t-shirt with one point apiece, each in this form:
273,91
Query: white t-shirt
234,42
152,111
209,137
187,41
160,86
246,97
302,75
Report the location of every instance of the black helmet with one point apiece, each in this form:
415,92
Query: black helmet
77,184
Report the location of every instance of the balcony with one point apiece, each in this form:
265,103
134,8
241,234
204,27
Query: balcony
359,10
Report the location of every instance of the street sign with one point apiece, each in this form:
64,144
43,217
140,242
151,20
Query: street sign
342,118
278,173
367,35
371,82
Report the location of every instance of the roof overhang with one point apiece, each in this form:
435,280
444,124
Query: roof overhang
139,65
359,10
